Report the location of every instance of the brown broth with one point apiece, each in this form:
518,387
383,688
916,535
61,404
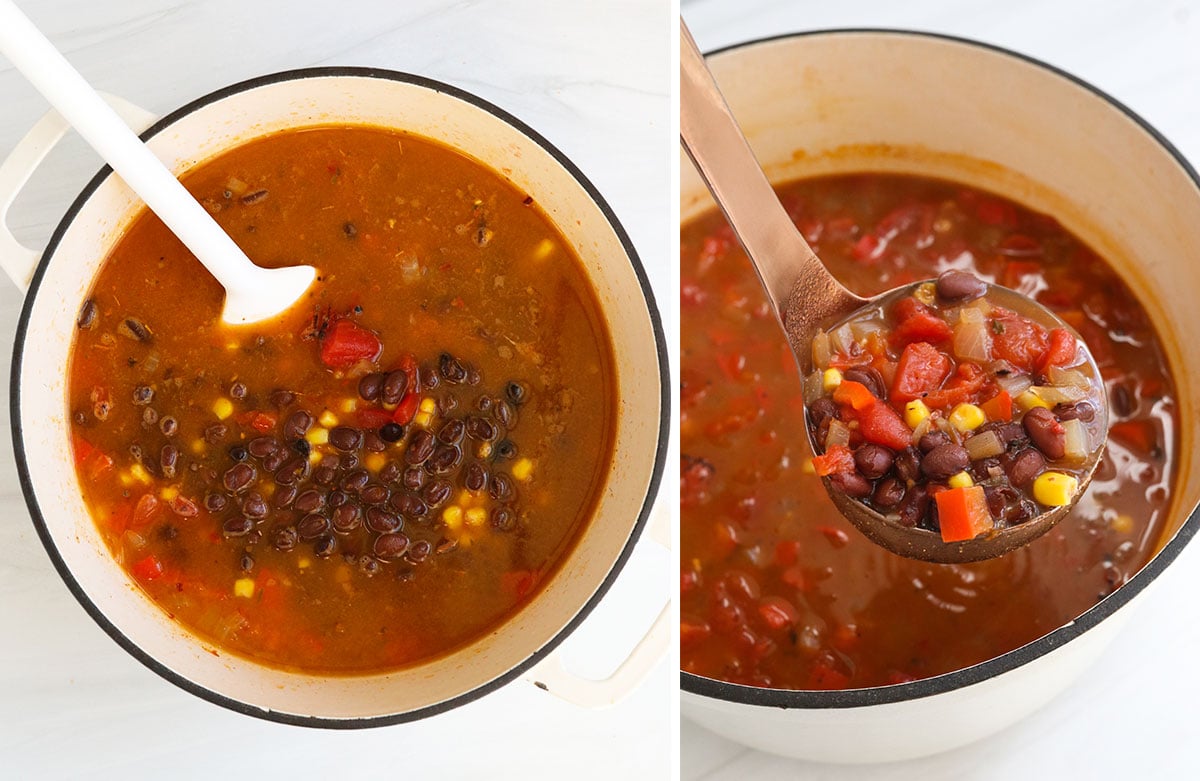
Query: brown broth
777,588
434,253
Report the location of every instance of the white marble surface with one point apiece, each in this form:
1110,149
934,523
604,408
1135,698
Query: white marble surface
1133,714
593,78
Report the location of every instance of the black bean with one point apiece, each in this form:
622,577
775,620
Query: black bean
354,482
255,507
237,526
1080,410
391,432
474,377
871,378
215,502
373,443
934,439
427,379
214,433
484,403
505,450
1045,432
349,229
135,329
247,562
347,518
503,519
444,460
873,461
254,197
476,477
297,425
956,285
348,461
436,493
143,394
370,386
281,399
309,501
369,566
852,484
445,545
419,551
312,526
888,494
238,390
515,392
325,546
381,521
275,460
908,465
915,506
944,461
452,431
168,425
480,429
238,453
451,369
293,471
503,412
285,495
149,416
1025,466
261,447
395,384
390,546
87,315
345,438
1007,432
1122,401
408,505
390,472
420,447
821,412
413,478
337,498
302,447
325,474
500,488
284,538
374,493
238,477
168,458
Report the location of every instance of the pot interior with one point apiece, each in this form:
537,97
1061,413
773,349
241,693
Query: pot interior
207,128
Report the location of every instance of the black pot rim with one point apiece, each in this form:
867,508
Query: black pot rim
969,676
318,721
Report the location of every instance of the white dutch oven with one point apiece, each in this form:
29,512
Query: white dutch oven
59,282
846,101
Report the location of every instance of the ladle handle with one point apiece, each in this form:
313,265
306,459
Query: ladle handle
714,141
74,98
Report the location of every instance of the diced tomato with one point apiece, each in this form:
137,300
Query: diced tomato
868,248
89,459
346,343
145,511
691,294
519,583
881,424
262,422
917,323
999,407
149,568
921,370
372,417
1140,435
845,637
996,212
732,365
835,460
837,537
787,552
1017,339
794,577
694,474
854,394
963,513
777,613
825,678
1061,351
691,632
968,381
407,408
1015,272
689,581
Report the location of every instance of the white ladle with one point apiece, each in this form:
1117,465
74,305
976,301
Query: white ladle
252,293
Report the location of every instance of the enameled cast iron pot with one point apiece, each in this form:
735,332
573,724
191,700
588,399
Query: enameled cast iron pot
845,101
58,282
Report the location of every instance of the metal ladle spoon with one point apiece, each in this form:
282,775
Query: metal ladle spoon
252,293
806,298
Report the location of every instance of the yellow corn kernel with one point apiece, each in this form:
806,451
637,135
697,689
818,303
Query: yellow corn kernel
523,469
375,461
197,446
423,419
314,457
349,405
231,346
453,516
1055,489
1028,400
126,479
960,480
485,449
169,493
807,467
428,405
926,293
967,417
304,562
243,587
328,419
463,498
543,249
1122,524
139,473
476,516
317,436
915,413
831,379
222,408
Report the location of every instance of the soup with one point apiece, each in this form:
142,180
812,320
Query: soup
392,468
777,589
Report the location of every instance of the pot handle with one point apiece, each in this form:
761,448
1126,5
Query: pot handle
16,260
550,674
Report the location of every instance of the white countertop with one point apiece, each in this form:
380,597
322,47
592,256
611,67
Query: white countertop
1133,714
594,79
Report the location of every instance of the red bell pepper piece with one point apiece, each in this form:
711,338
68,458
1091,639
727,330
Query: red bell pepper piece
407,409
854,394
921,371
968,381
999,407
346,343
963,513
149,568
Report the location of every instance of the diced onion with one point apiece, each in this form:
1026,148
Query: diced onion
820,350
1015,384
1071,377
1075,440
922,429
814,387
864,328
1053,395
839,434
985,445
971,339
841,339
